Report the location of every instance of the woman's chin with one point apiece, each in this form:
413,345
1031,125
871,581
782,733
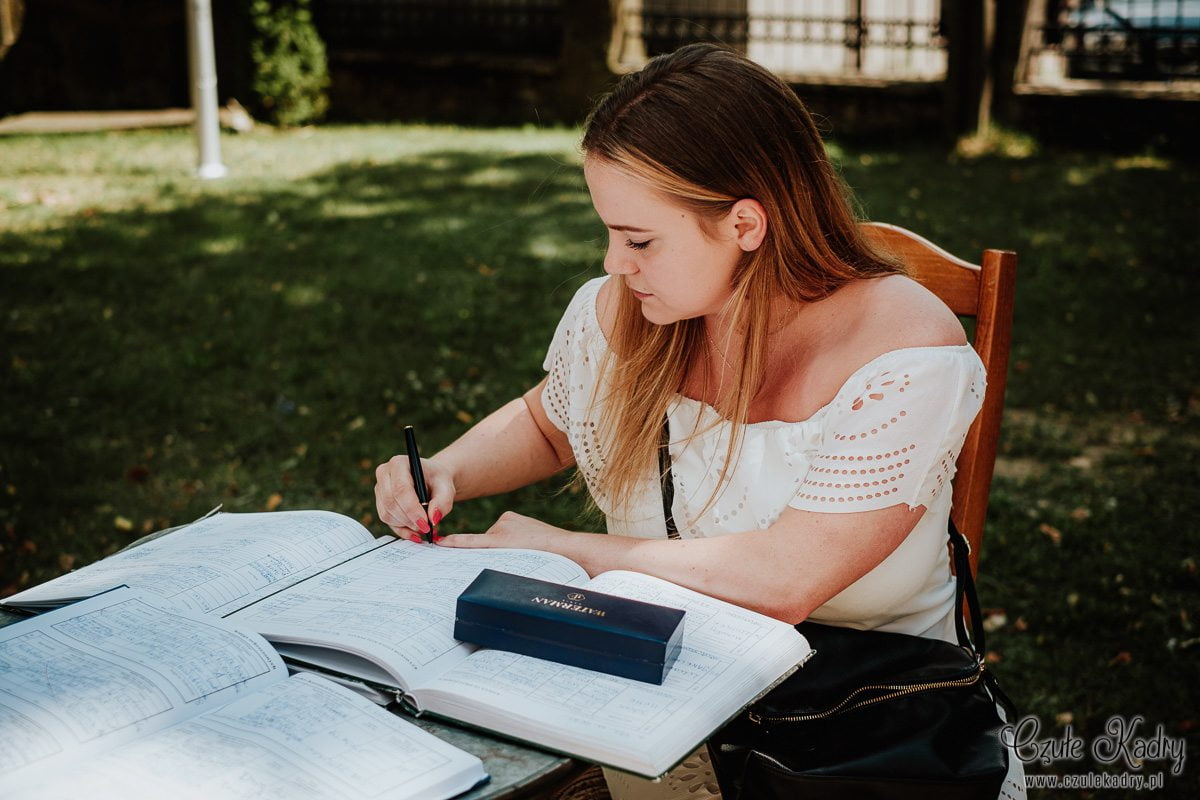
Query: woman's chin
657,316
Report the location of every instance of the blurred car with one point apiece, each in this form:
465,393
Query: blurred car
1134,39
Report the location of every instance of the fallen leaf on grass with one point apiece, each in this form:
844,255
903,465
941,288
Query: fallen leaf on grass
464,417
994,620
66,561
273,501
124,524
1054,533
1123,658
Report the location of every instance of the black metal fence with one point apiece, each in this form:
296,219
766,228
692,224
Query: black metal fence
1133,47
834,40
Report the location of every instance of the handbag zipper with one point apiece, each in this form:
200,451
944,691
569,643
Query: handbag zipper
893,691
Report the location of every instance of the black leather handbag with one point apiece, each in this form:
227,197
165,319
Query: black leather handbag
872,714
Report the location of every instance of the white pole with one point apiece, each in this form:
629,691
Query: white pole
203,68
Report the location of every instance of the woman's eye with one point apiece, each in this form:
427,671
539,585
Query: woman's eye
637,245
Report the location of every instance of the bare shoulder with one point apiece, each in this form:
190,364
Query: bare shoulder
834,337
892,313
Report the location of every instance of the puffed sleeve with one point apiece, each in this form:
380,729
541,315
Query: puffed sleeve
572,361
894,431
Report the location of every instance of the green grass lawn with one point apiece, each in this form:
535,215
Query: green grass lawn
168,345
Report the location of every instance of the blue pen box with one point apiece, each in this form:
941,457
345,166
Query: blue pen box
569,625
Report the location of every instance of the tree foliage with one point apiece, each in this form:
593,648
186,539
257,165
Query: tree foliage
291,75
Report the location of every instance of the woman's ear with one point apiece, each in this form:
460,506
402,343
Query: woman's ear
749,219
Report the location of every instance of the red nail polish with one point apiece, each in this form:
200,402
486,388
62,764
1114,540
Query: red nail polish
422,526
437,516
437,539
412,537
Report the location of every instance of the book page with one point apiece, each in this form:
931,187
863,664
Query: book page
84,678
221,563
301,738
728,656
394,606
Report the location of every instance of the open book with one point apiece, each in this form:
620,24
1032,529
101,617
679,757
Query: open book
382,611
116,697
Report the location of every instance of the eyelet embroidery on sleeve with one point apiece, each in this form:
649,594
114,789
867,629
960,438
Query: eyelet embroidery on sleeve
569,389
881,391
847,478
894,437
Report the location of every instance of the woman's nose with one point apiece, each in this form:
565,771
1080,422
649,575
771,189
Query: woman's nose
617,263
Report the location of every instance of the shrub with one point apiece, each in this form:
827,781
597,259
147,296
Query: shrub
290,72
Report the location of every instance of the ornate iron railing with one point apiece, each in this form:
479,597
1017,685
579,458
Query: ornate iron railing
840,40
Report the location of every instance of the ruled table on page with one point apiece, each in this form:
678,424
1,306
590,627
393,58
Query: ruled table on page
397,602
221,563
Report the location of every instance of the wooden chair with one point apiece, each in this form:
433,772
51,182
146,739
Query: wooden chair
985,292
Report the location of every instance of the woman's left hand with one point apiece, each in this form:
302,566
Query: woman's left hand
510,530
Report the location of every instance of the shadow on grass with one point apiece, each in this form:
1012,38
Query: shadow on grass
248,344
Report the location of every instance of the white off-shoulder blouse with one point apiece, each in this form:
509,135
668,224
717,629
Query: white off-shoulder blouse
891,435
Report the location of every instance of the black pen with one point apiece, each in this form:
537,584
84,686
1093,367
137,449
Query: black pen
418,476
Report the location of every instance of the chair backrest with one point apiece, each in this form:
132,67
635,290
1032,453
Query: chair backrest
983,291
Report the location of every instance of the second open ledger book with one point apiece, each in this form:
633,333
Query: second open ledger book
116,697
328,595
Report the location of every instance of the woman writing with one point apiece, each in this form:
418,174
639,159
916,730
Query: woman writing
815,397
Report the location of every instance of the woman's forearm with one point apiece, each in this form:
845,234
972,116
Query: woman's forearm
785,571
737,568
506,450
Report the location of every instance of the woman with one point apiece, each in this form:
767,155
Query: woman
816,398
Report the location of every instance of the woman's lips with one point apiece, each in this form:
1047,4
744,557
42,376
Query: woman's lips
640,295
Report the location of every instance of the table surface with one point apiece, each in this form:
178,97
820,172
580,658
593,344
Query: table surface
517,771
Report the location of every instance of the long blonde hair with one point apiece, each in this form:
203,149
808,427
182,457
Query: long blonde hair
706,127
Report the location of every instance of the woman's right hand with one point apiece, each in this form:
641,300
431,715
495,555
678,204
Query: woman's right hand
396,499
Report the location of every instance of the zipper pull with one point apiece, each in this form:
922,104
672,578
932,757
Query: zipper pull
755,718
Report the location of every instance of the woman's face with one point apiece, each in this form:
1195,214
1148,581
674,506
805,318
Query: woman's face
658,248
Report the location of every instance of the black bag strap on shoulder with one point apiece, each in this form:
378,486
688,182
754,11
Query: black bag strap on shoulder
965,590
668,482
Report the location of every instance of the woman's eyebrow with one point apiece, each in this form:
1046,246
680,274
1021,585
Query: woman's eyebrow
628,229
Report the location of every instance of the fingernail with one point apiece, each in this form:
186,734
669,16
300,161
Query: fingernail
422,526
437,516
437,539
412,537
